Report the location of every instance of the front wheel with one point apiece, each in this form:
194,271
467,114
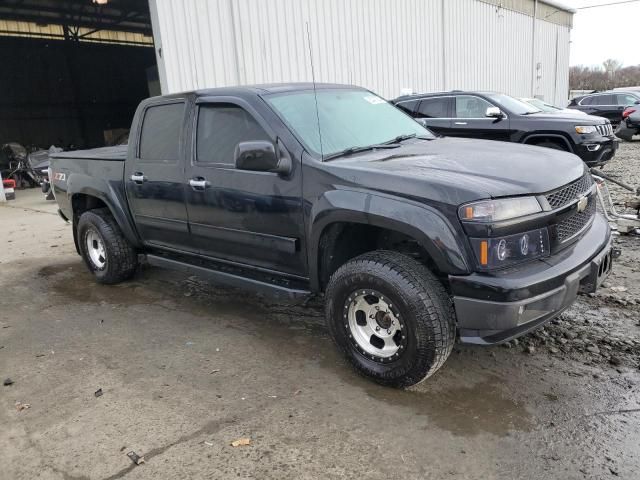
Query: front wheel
391,317
105,250
553,145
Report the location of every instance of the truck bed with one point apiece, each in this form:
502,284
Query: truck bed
116,154
97,172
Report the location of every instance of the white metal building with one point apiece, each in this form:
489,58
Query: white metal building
520,47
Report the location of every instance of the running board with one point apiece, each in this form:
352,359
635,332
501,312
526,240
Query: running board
211,272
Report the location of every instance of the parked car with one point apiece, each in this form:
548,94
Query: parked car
298,189
609,105
547,107
630,124
495,116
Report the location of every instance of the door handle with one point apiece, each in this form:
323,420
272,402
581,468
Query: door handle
199,183
138,177
460,123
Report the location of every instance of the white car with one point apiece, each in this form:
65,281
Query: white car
548,108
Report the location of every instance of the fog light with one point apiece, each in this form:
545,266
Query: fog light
524,244
593,147
501,250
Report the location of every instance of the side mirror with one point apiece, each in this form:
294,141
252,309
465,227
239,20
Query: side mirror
260,156
493,112
422,121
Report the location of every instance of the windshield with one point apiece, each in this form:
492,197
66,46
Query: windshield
512,105
347,119
545,107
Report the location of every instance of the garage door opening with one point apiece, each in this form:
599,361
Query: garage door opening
73,73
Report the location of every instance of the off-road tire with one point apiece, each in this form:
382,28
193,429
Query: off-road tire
422,302
121,257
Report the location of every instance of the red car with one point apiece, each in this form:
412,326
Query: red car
630,124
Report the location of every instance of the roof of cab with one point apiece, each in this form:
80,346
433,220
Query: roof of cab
260,89
418,96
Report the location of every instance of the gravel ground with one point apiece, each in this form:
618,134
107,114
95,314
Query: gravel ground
186,367
603,328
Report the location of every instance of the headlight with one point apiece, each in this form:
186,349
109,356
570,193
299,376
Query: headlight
500,252
500,209
586,129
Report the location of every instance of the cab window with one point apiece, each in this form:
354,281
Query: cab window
160,134
220,128
433,108
468,106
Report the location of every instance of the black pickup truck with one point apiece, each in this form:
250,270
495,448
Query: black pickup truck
413,239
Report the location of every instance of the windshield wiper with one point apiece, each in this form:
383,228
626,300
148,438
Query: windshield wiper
393,143
399,138
352,150
531,113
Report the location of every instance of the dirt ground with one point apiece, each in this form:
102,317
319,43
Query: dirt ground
186,367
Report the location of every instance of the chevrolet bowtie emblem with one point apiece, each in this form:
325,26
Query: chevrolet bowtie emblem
582,204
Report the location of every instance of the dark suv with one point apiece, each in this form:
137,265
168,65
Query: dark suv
495,116
609,105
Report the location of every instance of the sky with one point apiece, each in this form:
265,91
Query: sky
605,32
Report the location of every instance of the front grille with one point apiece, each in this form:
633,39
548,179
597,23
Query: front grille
569,193
571,225
605,130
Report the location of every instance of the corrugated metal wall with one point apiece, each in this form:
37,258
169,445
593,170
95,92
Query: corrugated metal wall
384,45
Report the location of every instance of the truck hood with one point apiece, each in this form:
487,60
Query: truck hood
458,170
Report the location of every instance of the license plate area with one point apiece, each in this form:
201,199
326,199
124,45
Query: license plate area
600,270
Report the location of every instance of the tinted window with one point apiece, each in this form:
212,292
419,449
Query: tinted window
471,107
433,108
586,101
408,107
603,100
221,128
626,100
160,136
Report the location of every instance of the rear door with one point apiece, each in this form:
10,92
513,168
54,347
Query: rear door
469,120
435,112
246,217
606,105
154,177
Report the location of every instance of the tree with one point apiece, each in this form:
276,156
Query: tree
610,75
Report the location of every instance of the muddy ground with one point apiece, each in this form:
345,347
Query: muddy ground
186,367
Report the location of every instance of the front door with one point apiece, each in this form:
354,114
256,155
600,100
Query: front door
154,177
246,217
470,120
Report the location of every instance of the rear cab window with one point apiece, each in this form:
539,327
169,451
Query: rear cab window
161,132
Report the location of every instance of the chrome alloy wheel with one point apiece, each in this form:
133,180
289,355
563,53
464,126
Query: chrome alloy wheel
95,249
374,325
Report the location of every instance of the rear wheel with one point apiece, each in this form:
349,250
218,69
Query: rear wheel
391,317
105,250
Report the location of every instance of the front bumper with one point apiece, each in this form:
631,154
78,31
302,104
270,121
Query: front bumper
597,152
495,308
